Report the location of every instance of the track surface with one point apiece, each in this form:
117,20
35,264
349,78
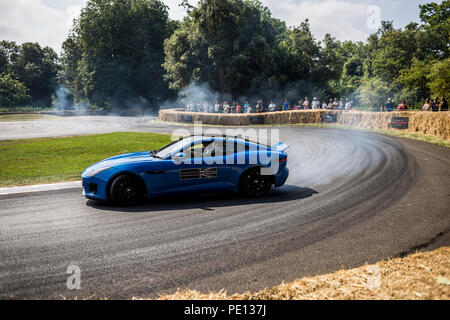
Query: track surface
352,197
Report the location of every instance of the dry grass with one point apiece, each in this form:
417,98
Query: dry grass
418,276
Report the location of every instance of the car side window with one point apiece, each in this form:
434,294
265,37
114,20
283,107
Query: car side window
204,149
233,147
195,150
214,149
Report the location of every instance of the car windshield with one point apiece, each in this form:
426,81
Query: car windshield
171,148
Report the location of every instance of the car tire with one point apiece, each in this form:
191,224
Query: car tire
126,189
253,184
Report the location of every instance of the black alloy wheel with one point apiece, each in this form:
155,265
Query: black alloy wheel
126,189
254,184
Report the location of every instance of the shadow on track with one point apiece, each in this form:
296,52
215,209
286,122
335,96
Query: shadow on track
207,201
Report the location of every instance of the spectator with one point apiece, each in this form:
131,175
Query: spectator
389,106
238,108
324,104
286,105
226,107
233,107
315,103
427,105
348,105
217,107
335,104
259,107
435,105
246,107
272,107
330,105
306,104
341,104
443,106
402,106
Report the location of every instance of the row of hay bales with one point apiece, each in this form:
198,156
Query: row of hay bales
430,123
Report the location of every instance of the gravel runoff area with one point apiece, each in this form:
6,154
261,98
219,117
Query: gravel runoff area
421,276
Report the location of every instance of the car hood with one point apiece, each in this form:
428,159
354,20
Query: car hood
120,159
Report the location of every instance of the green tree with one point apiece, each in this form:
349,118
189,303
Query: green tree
229,44
115,52
13,93
433,35
302,53
373,92
413,83
395,51
37,69
70,74
439,79
8,53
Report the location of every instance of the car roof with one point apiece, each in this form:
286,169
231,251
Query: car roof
195,138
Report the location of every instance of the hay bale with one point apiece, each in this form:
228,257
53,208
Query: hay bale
430,123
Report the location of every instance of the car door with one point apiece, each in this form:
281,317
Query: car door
199,169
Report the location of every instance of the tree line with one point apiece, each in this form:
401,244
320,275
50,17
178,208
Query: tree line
123,53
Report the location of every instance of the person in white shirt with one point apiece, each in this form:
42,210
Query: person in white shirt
226,107
315,103
217,107
272,106
348,104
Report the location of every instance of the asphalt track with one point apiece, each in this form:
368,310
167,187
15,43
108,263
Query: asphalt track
352,197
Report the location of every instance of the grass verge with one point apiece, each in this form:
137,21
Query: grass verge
46,160
418,276
26,117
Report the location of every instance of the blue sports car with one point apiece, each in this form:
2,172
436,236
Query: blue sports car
194,164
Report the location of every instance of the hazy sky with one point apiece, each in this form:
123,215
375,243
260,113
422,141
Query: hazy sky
48,21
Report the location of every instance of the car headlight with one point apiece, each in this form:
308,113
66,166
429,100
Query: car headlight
93,172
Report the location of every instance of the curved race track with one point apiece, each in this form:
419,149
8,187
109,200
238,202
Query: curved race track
352,197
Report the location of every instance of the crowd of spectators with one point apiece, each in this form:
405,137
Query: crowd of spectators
305,104
430,105
237,107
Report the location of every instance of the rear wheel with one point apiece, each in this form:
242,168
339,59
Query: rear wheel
254,184
126,189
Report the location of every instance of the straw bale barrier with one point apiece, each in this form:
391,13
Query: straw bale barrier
430,123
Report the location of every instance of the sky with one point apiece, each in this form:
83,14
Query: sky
48,21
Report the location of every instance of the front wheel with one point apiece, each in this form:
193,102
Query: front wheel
126,189
254,184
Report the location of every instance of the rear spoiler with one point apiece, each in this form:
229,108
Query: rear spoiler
280,146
